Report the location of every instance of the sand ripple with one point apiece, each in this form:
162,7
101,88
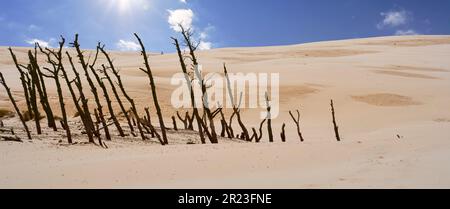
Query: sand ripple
386,100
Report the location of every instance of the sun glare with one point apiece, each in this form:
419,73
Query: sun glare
127,6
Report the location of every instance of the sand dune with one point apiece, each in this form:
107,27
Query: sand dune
392,97
386,100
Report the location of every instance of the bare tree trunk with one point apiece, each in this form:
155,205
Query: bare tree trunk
195,112
130,100
83,110
259,137
187,34
148,71
336,128
236,107
57,67
39,82
85,67
174,123
8,90
116,94
183,120
224,124
24,83
269,119
297,122
149,122
108,102
283,133
34,105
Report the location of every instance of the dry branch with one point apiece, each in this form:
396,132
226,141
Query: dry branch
195,113
148,71
114,89
55,74
335,126
297,122
8,91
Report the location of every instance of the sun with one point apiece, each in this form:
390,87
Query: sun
124,7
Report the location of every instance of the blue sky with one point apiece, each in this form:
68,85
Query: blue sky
218,23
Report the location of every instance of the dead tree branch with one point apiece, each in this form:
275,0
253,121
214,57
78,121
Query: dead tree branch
148,71
297,122
336,128
8,91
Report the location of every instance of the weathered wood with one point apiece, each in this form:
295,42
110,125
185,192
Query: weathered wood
114,89
297,122
335,126
11,98
38,81
83,110
55,74
108,101
33,101
85,67
174,122
23,81
283,133
236,107
189,42
12,138
269,119
195,113
149,73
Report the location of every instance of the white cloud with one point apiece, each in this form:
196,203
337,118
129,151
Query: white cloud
204,45
183,1
181,17
123,45
406,33
393,19
184,17
42,43
203,35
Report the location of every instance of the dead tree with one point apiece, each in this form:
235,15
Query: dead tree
108,101
256,136
297,122
114,89
38,81
283,133
236,107
33,101
149,122
85,67
184,120
130,100
8,90
187,35
83,110
225,127
148,71
336,128
195,113
269,119
55,74
174,123
24,83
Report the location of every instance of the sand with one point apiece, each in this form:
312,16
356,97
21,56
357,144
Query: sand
394,125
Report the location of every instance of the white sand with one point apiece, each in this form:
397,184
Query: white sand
382,87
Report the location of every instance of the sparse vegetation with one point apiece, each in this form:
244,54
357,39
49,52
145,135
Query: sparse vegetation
95,121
